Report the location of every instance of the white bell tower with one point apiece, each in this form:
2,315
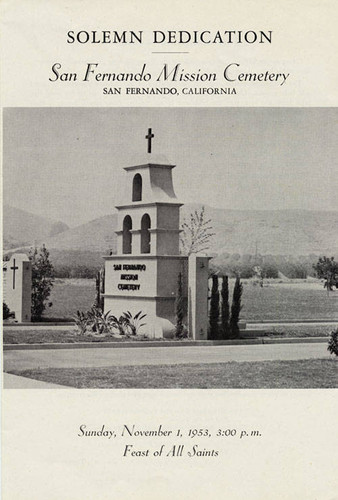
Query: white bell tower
144,273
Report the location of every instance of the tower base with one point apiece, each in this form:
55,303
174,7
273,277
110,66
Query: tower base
147,284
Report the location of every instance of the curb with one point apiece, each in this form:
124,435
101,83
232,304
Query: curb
50,323
248,323
292,321
136,344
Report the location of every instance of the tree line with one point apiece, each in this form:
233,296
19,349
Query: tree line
227,264
271,265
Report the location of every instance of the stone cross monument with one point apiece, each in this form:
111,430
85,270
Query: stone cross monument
17,283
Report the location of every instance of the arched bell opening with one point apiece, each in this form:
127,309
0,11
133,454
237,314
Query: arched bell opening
145,233
126,235
137,188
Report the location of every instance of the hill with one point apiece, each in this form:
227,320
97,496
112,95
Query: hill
97,235
280,232
22,228
276,232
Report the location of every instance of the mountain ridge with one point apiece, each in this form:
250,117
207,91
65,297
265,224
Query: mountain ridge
276,232
21,227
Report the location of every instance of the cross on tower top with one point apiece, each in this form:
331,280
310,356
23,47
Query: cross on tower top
149,136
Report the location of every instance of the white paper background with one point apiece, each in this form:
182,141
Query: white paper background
296,456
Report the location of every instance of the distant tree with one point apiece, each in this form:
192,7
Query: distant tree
214,309
236,307
269,270
294,270
196,233
327,269
179,308
225,307
243,270
42,281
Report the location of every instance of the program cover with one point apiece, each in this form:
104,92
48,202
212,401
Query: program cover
170,249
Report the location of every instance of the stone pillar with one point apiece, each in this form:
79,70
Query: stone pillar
18,286
198,297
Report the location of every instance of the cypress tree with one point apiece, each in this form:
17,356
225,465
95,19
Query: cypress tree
179,308
236,308
102,287
225,308
214,309
97,301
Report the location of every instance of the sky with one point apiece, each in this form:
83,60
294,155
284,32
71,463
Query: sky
67,163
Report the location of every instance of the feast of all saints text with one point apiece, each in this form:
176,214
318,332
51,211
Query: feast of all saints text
160,441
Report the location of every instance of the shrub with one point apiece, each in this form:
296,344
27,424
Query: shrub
97,322
6,313
94,321
333,342
132,323
42,281
81,321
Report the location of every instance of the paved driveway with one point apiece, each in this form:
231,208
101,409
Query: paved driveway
96,357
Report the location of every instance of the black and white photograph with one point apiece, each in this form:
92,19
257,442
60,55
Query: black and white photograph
164,248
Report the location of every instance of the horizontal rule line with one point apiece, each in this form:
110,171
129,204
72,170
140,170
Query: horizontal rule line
170,52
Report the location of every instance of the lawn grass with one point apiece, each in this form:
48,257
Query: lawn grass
275,301
69,296
292,331
300,374
12,335
50,336
288,301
